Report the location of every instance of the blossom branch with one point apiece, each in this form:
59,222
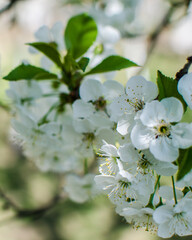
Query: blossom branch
33,213
184,70
8,6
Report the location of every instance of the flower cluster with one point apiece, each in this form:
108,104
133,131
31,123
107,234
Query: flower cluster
132,173
69,120
61,127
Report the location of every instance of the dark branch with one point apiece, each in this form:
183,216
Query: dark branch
29,213
184,70
8,6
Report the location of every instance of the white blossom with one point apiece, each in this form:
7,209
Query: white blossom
156,131
174,219
127,107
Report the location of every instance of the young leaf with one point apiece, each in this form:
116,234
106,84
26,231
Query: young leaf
70,64
48,50
83,62
112,63
168,88
29,72
184,162
80,33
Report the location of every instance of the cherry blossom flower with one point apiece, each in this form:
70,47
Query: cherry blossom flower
126,108
158,132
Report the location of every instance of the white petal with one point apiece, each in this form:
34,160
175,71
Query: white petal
185,88
128,153
141,136
125,124
101,120
182,135
91,90
174,109
120,106
165,230
163,150
138,88
43,34
153,113
163,214
104,134
46,63
50,128
104,181
57,32
165,168
83,126
109,149
112,89
82,109
108,34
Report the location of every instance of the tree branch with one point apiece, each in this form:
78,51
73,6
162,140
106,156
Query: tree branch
8,6
184,70
29,213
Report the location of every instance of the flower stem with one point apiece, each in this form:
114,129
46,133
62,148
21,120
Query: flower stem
174,191
150,203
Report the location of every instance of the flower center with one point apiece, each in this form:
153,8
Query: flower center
163,129
124,184
143,163
100,104
137,104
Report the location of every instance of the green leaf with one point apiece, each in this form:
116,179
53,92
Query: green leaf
48,50
168,88
184,162
29,72
112,63
80,33
83,62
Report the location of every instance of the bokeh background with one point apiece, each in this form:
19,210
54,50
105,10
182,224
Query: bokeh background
157,34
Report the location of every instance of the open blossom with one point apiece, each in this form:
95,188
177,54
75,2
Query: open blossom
21,90
157,132
143,161
174,219
95,96
185,88
125,108
140,217
124,186
108,155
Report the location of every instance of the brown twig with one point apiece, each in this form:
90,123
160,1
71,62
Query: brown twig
8,6
184,70
29,213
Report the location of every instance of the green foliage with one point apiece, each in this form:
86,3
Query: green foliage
49,50
29,72
83,62
80,33
168,88
184,162
112,63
